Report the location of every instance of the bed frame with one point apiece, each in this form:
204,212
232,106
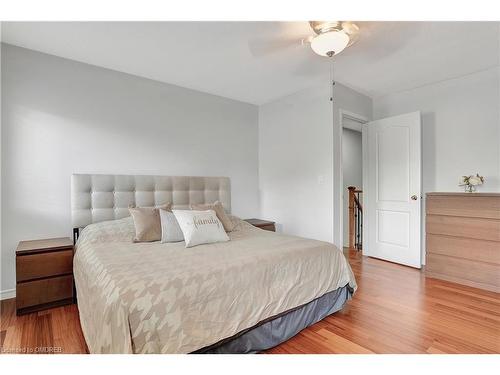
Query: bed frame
98,197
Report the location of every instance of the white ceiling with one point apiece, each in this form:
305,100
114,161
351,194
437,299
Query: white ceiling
257,62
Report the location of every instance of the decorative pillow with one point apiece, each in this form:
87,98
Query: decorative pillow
147,222
200,227
170,229
219,210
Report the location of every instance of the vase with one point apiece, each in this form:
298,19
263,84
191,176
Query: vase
470,188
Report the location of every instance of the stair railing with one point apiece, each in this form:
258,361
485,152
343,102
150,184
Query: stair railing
355,218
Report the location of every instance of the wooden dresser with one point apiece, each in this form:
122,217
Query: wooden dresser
44,274
463,238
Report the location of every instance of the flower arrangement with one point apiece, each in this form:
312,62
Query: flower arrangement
470,182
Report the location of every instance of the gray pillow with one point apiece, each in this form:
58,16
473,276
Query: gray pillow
147,222
170,229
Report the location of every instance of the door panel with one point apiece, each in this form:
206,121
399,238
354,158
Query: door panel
392,189
393,228
392,164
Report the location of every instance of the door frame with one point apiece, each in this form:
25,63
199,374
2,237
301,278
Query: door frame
338,173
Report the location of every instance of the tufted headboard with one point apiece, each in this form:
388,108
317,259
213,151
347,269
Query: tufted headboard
99,197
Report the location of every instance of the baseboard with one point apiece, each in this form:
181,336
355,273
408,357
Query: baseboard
8,293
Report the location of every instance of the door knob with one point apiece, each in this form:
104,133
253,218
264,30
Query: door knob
414,197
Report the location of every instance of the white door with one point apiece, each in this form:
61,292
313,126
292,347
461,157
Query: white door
392,189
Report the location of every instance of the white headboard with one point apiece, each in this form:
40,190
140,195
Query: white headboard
99,197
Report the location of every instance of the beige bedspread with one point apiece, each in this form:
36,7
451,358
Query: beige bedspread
164,298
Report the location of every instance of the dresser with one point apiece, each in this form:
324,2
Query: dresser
463,238
44,274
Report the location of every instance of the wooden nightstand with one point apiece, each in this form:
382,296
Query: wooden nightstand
262,224
44,274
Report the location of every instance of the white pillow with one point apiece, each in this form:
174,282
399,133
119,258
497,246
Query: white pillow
170,229
200,227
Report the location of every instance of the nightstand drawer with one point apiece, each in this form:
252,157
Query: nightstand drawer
35,266
269,227
262,224
38,292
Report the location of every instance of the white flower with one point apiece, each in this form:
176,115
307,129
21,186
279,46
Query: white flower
475,180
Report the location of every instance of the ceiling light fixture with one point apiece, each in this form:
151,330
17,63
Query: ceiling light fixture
330,43
332,37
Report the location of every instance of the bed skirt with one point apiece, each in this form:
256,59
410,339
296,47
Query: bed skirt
274,331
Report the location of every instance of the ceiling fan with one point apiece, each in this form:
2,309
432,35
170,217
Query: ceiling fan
329,38
332,37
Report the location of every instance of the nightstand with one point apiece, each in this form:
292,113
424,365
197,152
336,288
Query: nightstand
262,224
44,274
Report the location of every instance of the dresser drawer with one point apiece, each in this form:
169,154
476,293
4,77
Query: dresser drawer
484,275
466,248
38,292
35,266
470,206
482,229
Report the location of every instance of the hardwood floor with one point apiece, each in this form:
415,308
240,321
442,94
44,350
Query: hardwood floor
56,329
395,310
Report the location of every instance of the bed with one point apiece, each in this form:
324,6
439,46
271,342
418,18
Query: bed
245,295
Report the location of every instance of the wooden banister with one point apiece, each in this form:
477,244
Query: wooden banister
355,212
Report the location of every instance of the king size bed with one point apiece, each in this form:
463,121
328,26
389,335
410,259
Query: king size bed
244,295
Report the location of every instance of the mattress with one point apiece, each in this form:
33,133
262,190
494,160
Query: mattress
165,298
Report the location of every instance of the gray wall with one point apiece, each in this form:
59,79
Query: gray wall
60,117
296,159
352,171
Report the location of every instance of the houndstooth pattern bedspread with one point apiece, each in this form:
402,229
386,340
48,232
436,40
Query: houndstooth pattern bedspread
164,298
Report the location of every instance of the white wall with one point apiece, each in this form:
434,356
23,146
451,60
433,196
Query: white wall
60,117
352,171
296,158
460,128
